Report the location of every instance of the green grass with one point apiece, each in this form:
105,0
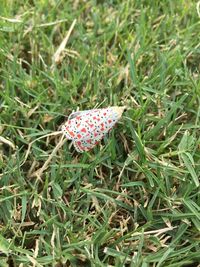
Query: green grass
133,200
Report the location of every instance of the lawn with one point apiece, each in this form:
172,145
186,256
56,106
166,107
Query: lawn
134,199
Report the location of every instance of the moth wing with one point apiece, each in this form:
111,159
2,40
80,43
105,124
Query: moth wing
87,144
89,126
73,115
81,146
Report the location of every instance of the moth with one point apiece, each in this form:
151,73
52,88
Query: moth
87,128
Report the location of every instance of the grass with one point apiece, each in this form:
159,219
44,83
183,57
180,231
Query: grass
133,200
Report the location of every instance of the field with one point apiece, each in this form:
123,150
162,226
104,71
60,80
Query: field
134,199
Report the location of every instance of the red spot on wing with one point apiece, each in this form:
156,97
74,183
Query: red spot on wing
91,125
83,130
79,136
71,133
109,121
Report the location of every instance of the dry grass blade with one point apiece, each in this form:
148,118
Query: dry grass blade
39,172
56,57
7,142
30,145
